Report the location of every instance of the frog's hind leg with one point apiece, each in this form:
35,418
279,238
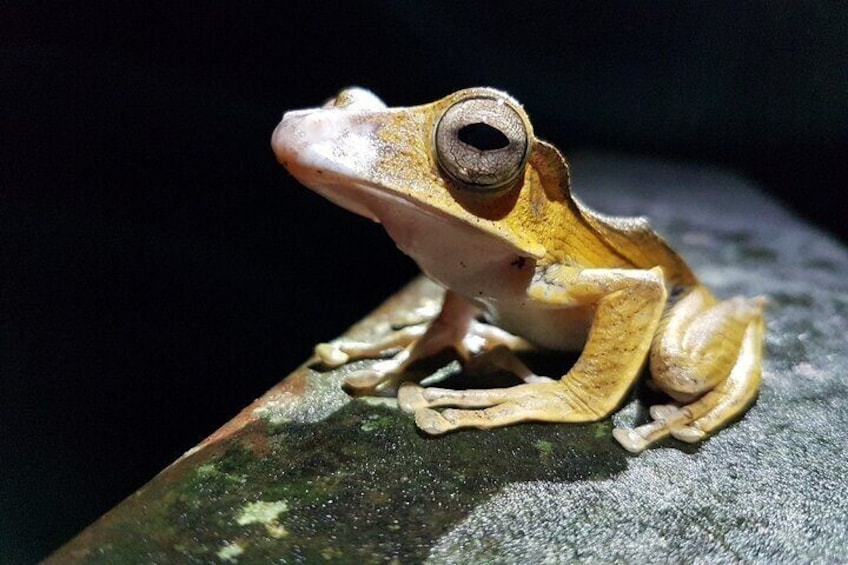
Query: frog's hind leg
707,356
629,304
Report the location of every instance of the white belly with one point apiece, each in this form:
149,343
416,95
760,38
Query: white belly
489,273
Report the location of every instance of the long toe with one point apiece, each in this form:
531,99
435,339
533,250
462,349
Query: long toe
689,434
330,355
411,398
432,422
630,439
363,382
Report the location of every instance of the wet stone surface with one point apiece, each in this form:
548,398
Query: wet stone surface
306,475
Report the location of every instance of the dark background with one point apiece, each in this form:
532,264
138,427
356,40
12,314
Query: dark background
159,270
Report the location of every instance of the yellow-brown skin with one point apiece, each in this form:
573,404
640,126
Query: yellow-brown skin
537,263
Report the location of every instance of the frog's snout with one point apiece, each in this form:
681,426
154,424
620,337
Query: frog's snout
311,136
285,136
321,146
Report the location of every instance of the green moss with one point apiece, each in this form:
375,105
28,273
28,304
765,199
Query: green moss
376,422
364,485
545,447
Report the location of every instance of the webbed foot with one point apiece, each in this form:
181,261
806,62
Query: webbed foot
546,401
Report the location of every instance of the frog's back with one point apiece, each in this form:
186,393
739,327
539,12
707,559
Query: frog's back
638,244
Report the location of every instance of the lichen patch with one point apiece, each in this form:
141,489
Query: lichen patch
267,514
230,552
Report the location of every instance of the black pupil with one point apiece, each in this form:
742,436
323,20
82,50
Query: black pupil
483,137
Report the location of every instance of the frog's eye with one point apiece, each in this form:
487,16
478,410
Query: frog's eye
482,142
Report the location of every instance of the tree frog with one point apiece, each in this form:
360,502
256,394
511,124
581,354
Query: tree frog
485,208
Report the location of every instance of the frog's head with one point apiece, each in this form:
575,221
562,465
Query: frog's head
470,157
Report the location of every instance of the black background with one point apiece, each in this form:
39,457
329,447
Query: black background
159,270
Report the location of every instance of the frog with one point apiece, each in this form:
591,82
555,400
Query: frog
485,208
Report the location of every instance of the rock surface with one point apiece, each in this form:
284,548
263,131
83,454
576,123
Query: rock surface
307,475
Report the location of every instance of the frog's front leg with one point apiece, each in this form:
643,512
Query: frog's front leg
628,307
455,328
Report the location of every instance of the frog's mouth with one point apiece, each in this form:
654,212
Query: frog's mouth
399,213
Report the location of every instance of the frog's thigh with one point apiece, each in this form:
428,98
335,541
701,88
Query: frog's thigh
698,341
737,341
705,350
734,395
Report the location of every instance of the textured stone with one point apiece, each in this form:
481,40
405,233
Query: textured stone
304,474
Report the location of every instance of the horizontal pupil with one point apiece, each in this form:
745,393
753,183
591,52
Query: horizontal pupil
482,137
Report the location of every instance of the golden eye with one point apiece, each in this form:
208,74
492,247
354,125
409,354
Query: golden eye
482,142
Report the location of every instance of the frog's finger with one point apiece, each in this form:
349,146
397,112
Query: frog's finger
381,378
432,422
331,355
363,382
411,398
335,354
530,408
